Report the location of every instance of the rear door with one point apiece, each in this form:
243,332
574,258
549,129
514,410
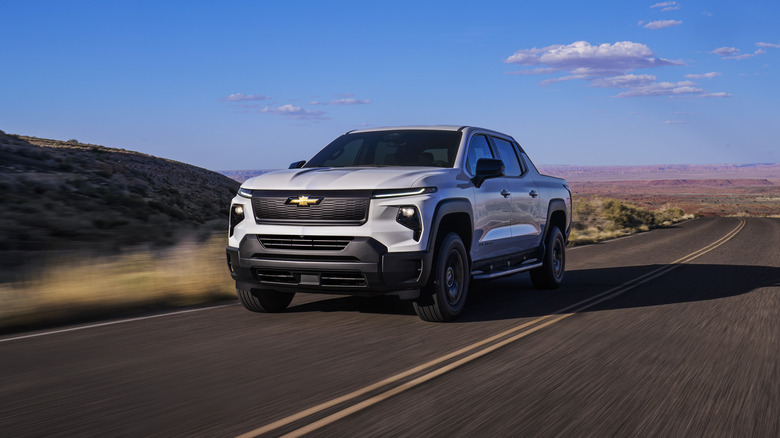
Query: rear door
525,199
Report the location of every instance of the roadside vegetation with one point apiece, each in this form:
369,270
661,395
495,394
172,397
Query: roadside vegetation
68,196
77,289
598,219
89,231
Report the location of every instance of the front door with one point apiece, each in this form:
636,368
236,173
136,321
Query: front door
492,206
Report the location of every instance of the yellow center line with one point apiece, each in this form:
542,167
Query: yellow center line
557,315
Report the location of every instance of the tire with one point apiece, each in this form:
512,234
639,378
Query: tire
265,300
444,297
550,275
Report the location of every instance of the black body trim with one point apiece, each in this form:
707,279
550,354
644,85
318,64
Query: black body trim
363,267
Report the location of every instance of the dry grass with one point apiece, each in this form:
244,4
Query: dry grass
599,219
186,274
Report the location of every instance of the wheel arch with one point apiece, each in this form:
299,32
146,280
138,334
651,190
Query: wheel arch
451,215
558,217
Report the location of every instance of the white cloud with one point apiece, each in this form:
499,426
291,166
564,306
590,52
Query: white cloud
603,66
563,79
582,58
530,56
725,51
240,97
293,112
709,75
768,45
707,14
734,53
534,71
660,24
740,57
344,101
624,81
674,122
666,6
718,94
662,89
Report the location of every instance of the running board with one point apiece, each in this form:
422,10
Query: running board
480,275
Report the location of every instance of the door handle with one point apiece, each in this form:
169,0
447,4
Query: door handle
505,193
533,193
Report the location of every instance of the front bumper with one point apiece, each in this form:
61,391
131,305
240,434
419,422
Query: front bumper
362,267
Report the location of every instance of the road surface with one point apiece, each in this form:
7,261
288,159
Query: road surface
674,332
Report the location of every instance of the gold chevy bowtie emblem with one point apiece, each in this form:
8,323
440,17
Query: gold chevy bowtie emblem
304,201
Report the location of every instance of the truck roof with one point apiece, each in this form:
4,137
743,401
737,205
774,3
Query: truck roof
429,128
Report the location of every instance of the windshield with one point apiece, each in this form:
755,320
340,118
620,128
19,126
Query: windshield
390,148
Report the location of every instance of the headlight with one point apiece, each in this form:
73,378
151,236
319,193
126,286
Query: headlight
246,193
409,216
392,193
236,216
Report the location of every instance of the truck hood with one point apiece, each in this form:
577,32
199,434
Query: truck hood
339,178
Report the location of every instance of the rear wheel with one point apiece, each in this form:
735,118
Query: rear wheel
444,297
550,275
264,300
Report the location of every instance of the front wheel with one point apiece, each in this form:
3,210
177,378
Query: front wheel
444,297
264,300
550,275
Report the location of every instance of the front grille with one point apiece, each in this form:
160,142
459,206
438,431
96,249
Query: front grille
349,279
343,207
326,243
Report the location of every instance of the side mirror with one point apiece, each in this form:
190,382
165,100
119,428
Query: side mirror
297,165
487,168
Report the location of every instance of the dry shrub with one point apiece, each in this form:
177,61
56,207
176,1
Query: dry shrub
600,219
186,274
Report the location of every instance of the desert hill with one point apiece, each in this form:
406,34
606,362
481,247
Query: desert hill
60,195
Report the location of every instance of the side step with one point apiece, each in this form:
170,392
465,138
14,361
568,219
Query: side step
527,266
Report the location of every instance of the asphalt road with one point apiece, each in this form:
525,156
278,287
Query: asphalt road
675,332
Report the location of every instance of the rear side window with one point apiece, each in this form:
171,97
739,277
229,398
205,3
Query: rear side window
507,153
478,148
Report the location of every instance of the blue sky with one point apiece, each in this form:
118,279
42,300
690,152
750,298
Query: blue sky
257,85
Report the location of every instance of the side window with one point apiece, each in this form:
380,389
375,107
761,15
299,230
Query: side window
506,150
478,148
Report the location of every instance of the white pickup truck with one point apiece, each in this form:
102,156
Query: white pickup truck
414,211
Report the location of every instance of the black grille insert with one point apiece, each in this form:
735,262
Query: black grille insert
285,277
347,207
343,279
306,243
328,279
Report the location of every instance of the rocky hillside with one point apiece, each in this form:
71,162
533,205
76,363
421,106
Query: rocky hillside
67,195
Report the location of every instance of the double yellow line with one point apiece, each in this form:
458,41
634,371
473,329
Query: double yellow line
506,337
